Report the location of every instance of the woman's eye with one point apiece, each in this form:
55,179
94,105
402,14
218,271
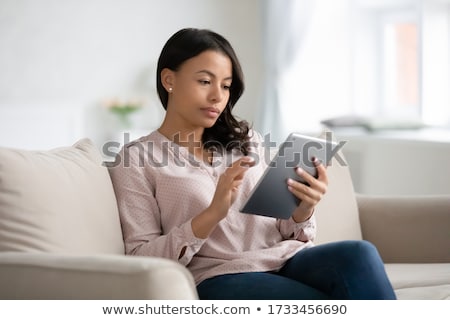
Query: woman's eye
204,82
226,87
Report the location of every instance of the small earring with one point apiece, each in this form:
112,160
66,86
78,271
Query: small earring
170,90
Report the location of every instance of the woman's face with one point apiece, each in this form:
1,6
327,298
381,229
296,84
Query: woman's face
200,90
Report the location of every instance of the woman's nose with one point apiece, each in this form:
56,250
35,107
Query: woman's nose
216,93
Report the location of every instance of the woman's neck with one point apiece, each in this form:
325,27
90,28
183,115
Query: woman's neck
190,138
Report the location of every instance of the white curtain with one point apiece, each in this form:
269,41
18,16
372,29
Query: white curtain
285,22
307,54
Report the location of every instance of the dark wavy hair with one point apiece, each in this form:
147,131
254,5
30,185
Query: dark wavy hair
227,133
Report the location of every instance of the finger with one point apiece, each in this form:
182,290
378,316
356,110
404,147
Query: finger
245,162
300,190
306,194
318,183
308,179
315,183
239,167
312,184
321,171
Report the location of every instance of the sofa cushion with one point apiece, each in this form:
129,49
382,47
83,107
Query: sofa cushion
59,200
420,280
337,213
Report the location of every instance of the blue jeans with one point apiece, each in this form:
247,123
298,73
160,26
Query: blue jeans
339,270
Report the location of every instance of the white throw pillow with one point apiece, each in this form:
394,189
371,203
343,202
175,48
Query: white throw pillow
60,200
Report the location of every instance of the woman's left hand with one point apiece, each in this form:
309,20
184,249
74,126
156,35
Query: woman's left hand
309,194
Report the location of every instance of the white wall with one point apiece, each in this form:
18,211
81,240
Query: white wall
60,59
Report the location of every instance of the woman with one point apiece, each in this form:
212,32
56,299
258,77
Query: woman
180,188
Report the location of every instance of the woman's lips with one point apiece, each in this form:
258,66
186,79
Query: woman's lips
211,112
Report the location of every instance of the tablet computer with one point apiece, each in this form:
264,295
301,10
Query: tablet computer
271,197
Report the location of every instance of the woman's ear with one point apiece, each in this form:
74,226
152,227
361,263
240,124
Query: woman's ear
167,79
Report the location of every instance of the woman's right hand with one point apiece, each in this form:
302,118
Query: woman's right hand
224,196
228,186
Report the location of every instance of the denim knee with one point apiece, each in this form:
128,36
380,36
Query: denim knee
366,248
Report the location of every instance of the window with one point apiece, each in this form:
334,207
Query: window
400,74
409,69
387,59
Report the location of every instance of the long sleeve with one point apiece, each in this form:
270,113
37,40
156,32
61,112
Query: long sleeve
303,231
141,217
159,191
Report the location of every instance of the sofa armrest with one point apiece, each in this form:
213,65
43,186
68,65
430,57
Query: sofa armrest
60,276
407,229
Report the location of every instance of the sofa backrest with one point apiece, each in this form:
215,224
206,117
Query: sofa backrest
61,200
337,213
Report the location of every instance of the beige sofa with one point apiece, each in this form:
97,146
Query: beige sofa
412,234
60,234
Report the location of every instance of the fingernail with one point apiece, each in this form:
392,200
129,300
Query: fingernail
299,170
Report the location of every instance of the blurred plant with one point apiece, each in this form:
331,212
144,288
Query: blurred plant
123,108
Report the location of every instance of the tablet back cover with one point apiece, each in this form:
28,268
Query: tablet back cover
271,197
